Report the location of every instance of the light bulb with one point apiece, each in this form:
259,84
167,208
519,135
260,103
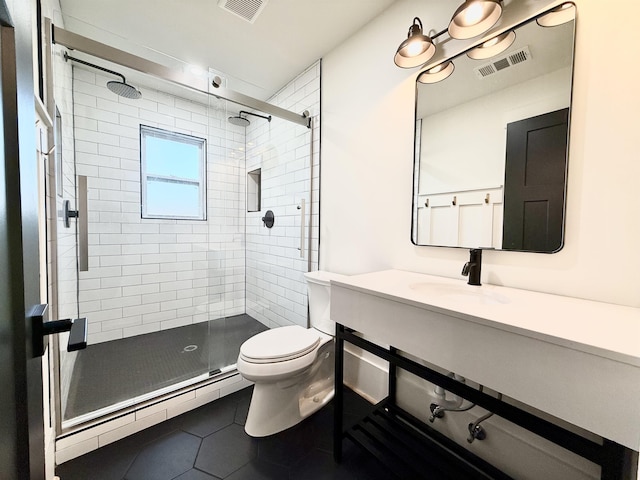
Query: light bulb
414,48
473,14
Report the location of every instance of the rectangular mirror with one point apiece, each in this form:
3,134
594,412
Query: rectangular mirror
491,145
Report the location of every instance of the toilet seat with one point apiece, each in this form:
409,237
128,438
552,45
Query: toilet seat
280,345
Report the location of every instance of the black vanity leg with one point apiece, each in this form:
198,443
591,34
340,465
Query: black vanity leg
393,379
618,462
338,394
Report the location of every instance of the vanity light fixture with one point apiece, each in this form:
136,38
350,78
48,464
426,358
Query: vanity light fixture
493,46
474,17
417,49
437,73
471,19
559,15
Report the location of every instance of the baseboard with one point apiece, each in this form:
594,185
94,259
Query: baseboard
364,377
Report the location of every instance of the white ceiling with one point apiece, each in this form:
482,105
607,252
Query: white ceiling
256,59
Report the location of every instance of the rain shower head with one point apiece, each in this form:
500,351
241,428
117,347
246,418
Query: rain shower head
122,88
241,121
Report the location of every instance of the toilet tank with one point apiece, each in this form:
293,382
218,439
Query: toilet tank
318,287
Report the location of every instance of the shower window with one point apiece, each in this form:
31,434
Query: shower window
173,174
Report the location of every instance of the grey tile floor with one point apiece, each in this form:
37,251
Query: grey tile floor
210,443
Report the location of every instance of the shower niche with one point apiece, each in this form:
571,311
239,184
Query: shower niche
254,179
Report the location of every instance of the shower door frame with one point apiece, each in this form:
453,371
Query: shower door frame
78,42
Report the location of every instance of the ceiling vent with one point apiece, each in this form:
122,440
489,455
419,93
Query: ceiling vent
246,9
521,55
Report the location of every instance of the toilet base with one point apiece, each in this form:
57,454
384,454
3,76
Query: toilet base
274,409
284,401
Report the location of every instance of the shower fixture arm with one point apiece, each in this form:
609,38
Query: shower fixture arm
73,59
266,117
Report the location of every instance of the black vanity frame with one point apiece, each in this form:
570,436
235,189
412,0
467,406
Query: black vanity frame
412,449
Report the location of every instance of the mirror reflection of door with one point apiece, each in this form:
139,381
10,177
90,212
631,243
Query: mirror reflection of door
535,172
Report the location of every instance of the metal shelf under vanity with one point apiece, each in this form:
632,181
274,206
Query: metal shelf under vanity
412,449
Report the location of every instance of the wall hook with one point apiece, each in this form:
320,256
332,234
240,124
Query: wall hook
487,197
426,203
454,201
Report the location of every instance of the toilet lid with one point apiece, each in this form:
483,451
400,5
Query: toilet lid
280,344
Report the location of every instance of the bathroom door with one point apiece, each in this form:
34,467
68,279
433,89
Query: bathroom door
21,401
535,173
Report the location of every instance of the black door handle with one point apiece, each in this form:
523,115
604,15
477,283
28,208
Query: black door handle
77,330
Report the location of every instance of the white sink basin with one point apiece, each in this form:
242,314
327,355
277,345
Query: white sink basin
460,293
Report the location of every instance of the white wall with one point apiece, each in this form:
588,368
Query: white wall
367,167
481,155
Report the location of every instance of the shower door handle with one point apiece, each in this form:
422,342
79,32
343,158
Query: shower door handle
302,229
40,329
82,222
83,225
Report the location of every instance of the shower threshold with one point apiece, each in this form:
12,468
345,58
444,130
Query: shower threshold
68,426
114,376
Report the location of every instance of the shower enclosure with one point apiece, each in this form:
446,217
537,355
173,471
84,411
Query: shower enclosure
168,256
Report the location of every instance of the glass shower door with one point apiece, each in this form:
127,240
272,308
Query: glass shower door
171,289
147,279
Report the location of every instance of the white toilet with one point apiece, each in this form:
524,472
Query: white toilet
292,367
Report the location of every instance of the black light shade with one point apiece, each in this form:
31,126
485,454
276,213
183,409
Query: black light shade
416,50
474,17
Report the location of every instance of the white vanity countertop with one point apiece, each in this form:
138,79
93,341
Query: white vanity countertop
603,329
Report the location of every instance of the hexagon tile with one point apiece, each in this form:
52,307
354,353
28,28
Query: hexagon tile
209,443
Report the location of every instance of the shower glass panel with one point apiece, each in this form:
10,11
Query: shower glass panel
177,272
277,257
157,285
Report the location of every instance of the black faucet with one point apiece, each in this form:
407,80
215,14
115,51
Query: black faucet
473,267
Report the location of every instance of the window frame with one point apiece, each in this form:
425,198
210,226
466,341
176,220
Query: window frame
201,143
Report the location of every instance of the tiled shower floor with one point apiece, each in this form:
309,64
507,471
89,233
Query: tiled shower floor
111,372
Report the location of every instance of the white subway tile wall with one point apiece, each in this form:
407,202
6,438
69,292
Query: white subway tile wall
276,293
